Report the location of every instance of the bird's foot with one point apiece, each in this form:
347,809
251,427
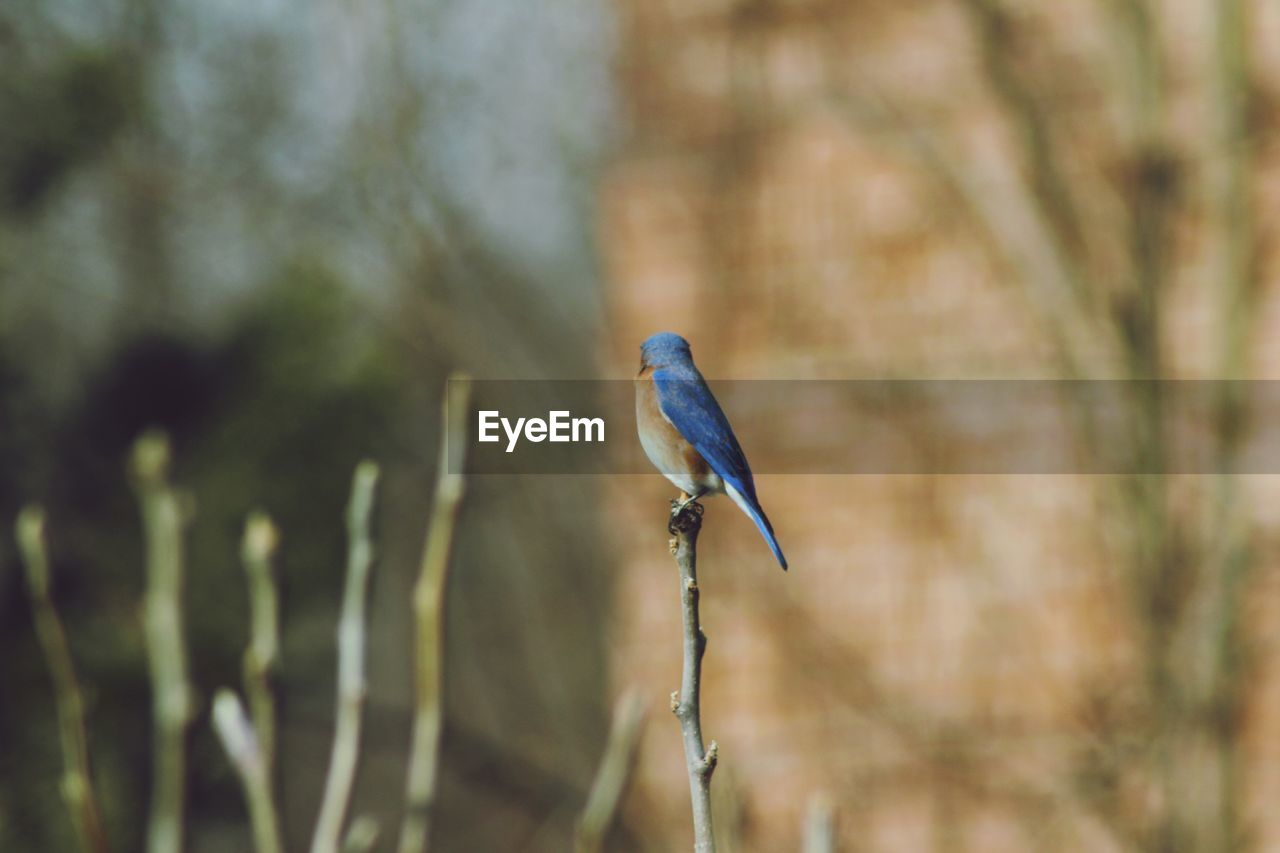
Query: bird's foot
686,514
678,504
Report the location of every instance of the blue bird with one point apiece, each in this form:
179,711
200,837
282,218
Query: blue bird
686,435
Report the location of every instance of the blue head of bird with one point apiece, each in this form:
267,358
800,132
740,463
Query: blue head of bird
665,349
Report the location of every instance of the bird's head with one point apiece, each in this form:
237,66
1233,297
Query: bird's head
664,350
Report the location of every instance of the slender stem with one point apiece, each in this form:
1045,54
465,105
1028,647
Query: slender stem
1233,561
1023,106
242,747
685,525
262,657
614,775
428,606
362,835
351,654
77,778
162,520
820,826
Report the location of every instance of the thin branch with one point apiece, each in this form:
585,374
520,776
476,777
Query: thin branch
1135,31
1235,156
428,606
262,657
686,703
77,777
162,520
614,775
362,835
1233,560
242,747
1005,215
351,654
1022,105
820,826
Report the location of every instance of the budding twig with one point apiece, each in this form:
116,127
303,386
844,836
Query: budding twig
428,606
77,779
685,524
262,657
351,678
162,521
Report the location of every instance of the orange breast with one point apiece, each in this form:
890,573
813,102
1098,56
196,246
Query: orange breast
661,437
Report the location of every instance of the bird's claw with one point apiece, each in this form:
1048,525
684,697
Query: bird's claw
686,513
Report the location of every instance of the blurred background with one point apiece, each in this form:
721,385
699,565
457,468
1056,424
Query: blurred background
273,229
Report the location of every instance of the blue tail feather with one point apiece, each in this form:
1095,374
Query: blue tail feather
755,513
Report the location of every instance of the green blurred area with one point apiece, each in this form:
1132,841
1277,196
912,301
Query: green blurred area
207,227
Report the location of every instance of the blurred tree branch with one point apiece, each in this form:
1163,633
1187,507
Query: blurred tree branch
351,653
1231,555
820,826
362,835
242,746
995,35
614,776
77,777
262,657
163,520
428,603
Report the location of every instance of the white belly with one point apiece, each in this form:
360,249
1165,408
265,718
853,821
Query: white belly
673,466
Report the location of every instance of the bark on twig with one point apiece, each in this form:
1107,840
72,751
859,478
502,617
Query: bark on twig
614,775
351,655
686,703
242,747
162,520
77,778
428,606
262,657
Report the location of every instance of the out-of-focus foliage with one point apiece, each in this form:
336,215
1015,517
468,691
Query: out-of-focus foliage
271,229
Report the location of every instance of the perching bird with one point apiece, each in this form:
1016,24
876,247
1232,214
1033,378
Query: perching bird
686,435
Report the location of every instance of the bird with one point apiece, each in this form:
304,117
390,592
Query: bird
686,435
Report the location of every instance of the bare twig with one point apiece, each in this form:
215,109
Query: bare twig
686,704
262,657
77,778
428,606
1006,217
1232,560
1044,171
362,835
242,747
614,775
162,520
820,826
351,678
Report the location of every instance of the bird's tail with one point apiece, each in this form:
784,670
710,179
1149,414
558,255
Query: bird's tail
756,514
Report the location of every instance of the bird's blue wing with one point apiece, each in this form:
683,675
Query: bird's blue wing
693,411
691,408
